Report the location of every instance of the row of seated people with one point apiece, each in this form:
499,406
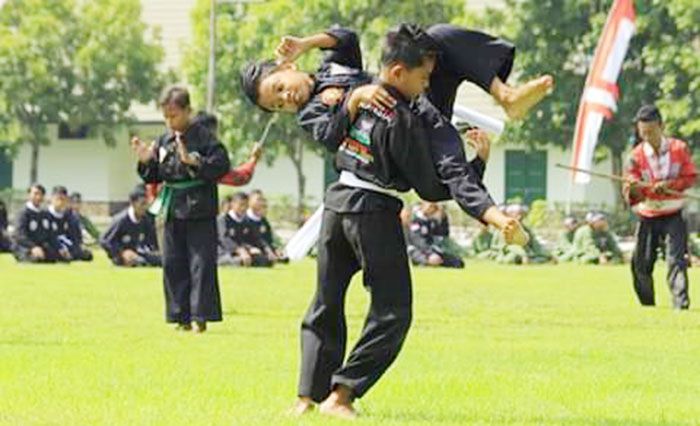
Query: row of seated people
429,243
47,235
589,243
245,235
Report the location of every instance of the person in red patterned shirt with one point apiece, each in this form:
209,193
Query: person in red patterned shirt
659,169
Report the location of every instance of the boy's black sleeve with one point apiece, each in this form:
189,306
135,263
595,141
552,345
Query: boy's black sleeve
347,49
110,240
448,163
226,243
327,125
149,171
214,163
21,237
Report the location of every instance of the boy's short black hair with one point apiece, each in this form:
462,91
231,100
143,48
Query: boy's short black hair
139,192
251,74
256,192
175,94
647,114
38,186
59,190
239,196
408,44
76,197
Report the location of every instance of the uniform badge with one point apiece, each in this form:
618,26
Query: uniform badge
33,225
126,239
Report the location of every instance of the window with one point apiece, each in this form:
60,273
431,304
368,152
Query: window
66,132
526,175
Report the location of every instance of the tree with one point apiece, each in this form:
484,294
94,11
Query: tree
560,36
253,31
77,63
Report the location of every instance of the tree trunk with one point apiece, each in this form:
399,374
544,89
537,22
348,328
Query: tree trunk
34,163
616,158
296,155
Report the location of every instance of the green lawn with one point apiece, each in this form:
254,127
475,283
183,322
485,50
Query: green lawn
86,344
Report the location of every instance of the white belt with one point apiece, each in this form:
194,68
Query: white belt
350,179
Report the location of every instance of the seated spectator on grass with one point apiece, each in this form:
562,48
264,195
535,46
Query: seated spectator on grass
66,230
131,239
257,213
5,242
565,245
33,239
424,238
594,243
88,230
481,243
532,253
240,243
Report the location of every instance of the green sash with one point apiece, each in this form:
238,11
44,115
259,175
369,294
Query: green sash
165,197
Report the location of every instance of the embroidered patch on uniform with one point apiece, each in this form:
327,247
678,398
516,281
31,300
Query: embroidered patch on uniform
33,225
126,239
356,150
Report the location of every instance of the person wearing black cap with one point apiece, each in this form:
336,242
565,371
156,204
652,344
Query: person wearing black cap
33,240
658,170
131,238
361,230
189,160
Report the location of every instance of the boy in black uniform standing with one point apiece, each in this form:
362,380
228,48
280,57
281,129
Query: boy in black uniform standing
131,239
361,231
34,241
188,160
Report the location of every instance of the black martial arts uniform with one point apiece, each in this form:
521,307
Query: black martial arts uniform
240,233
5,243
189,244
33,229
361,230
266,234
66,230
423,237
129,233
342,68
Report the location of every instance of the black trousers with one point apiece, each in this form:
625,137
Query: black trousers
466,56
190,275
349,242
650,234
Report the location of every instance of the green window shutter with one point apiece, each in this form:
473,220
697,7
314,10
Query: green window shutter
526,175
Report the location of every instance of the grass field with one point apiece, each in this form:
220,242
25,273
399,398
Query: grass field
86,344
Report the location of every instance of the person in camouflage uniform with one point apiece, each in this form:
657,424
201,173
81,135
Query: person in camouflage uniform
594,243
532,253
565,245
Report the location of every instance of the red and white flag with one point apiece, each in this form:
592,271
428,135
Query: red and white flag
600,95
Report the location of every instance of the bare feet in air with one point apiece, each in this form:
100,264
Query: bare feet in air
304,405
339,404
518,101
